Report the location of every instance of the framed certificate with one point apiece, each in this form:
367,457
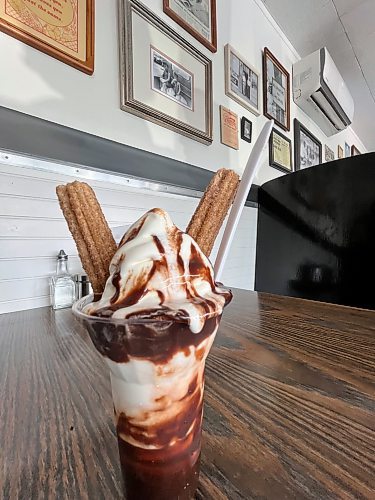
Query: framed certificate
229,127
63,29
280,149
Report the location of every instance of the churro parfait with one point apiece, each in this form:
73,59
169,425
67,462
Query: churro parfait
154,325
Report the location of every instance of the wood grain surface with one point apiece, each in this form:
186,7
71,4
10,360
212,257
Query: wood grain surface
289,413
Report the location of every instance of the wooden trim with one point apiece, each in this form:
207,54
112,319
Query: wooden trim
268,53
212,46
297,143
86,66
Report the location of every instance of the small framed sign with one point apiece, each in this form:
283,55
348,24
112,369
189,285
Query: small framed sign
229,127
328,153
63,29
246,129
276,91
280,151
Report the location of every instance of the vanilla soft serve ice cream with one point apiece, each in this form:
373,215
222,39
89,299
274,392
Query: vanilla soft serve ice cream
155,324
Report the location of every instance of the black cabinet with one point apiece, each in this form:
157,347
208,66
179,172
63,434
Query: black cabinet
316,233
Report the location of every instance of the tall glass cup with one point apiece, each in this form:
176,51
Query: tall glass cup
157,378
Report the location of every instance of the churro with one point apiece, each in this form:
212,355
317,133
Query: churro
213,208
95,243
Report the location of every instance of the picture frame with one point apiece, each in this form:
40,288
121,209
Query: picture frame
246,129
163,78
307,148
201,24
276,91
340,152
280,151
65,31
329,154
242,80
347,150
354,151
229,128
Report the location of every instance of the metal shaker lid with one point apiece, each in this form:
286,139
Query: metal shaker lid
62,255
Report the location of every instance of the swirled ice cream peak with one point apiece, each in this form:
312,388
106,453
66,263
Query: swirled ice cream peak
159,271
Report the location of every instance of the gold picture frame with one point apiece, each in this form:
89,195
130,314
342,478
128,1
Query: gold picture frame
63,30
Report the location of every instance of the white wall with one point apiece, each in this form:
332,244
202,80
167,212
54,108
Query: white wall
33,230
37,84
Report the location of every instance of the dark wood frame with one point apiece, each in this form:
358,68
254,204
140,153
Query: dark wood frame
268,54
127,100
272,162
354,151
243,137
85,66
212,46
297,143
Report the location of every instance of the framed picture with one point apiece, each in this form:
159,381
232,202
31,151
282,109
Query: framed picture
246,129
197,17
242,81
340,152
276,91
229,128
163,78
307,148
328,153
355,151
280,151
347,150
61,29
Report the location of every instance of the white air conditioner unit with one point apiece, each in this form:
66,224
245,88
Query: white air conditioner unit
318,89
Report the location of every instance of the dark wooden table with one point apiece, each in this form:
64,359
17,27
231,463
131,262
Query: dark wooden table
290,405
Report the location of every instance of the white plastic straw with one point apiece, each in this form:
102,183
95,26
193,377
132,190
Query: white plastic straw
250,171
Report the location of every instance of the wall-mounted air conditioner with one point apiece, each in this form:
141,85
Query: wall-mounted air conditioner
319,89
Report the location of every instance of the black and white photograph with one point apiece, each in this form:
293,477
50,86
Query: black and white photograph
241,80
329,154
276,91
308,149
246,129
171,79
198,17
163,78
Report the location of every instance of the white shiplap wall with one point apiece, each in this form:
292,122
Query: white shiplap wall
33,230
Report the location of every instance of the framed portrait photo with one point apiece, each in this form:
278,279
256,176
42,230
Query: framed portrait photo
340,152
163,78
355,151
307,148
276,90
328,153
347,150
246,129
280,151
197,17
63,29
242,81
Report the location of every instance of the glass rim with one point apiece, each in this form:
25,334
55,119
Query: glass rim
84,301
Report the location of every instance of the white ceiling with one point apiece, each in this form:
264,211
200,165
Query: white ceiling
347,29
